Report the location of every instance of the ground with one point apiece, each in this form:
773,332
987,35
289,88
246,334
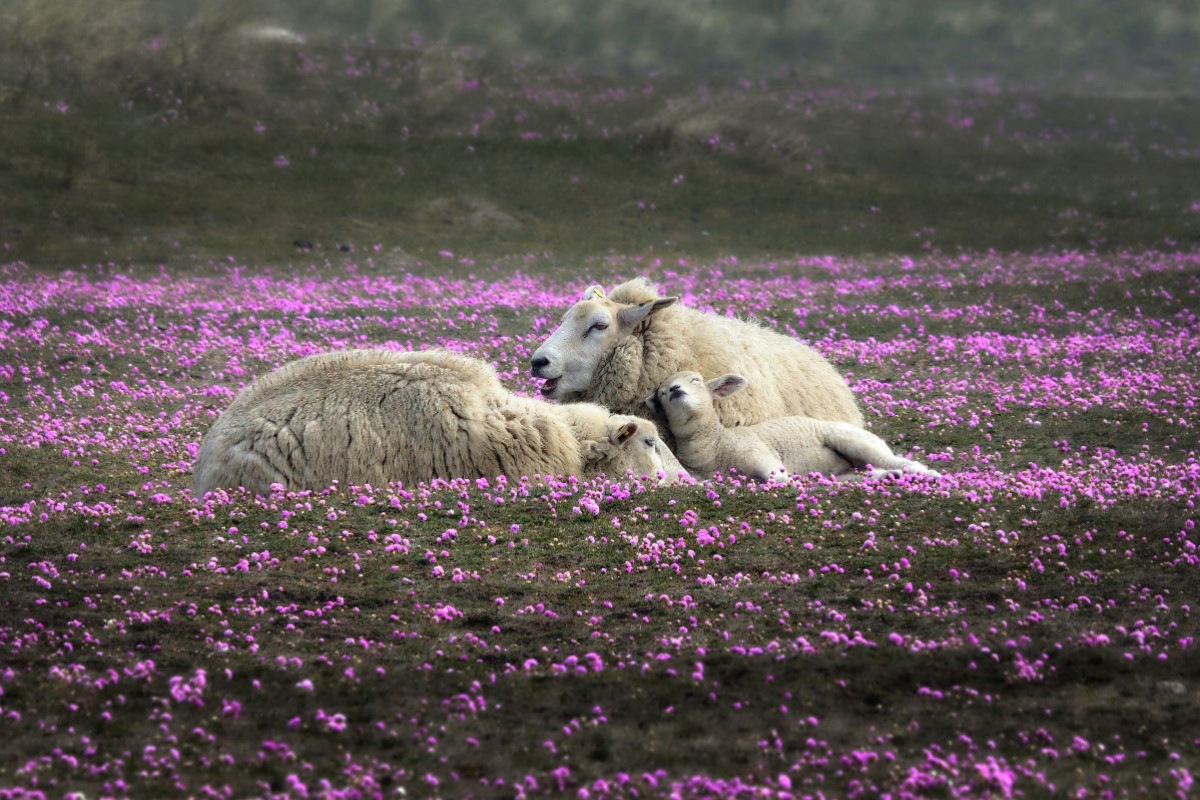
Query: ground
1007,275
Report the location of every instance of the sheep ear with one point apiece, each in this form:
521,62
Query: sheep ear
726,385
652,403
595,293
632,315
624,432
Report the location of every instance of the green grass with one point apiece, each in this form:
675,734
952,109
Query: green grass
222,196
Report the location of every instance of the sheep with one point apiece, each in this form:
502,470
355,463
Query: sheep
377,416
615,348
771,450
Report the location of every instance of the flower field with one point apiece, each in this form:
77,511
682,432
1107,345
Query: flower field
1022,627
1004,264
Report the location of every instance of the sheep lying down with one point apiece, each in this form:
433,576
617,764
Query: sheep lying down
775,449
377,416
614,348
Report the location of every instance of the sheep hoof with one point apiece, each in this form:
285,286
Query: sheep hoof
920,469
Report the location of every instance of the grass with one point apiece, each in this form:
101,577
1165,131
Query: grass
1014,303
224,194
124,165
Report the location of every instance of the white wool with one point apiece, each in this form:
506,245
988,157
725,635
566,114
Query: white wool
377,416
614,348
774,449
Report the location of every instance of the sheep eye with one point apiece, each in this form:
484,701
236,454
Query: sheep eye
649,442
597,326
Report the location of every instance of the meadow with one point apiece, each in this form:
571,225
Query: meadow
1006,274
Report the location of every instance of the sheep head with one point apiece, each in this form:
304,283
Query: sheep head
589,330
687,400
632,444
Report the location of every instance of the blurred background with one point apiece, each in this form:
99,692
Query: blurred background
142,129
1019,37
1023,37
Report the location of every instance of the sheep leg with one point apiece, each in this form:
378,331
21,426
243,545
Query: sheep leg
767,468
861,447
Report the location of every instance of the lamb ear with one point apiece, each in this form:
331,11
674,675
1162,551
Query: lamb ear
652,402
623,433
632,315
727,384
595,292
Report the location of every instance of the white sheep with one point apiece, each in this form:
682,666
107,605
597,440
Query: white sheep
772,450
377,416
615,348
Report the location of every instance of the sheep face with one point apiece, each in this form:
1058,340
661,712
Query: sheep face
685,396
632,445
681,397
589,331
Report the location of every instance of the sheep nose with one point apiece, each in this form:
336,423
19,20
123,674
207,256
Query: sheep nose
675,388
539,361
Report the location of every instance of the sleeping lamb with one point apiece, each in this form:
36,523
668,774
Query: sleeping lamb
615,348
771,450
377,416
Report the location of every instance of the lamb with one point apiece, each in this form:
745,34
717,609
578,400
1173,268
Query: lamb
771,450
615,348
377,416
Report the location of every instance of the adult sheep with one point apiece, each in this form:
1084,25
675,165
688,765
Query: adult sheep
615,349
377,416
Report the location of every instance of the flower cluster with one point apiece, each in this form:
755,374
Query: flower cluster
967,637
